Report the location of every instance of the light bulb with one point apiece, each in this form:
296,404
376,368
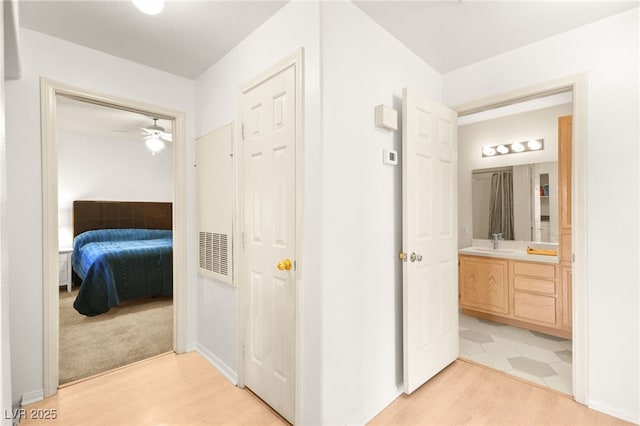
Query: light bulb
502,149
488,151
517,147
154,144
150,7
534,144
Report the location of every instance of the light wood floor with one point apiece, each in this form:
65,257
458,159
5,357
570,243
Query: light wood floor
186,390
466,393
166,390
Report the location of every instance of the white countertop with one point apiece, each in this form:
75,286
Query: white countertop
510,250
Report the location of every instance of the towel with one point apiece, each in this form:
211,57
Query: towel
548,252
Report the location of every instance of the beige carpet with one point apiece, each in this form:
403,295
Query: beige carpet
135,330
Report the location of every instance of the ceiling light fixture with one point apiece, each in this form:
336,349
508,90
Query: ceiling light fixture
488,151
154,143
514,148
517,147
535,144
150,7
155,137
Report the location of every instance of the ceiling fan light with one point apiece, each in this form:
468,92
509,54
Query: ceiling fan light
154,144
150,7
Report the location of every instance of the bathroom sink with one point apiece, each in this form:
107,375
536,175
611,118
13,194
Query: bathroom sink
507,253
489,250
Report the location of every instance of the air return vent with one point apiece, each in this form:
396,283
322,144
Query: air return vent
214,177
214,252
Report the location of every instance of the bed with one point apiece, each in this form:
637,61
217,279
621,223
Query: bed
122,250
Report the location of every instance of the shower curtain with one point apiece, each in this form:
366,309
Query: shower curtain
501,205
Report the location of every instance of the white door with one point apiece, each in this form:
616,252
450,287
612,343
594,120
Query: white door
268,176
430,216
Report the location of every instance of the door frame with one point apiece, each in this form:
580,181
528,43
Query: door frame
295,60
49,90
578,85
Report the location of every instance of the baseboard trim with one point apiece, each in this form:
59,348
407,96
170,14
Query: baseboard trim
31,397
371,414
223,368
614,412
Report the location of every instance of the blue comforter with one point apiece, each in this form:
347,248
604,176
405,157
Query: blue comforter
121,264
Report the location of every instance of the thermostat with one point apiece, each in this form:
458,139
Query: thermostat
390,157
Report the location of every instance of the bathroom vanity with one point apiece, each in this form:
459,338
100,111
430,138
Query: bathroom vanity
501,286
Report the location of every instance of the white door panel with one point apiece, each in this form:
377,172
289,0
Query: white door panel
269,223
430,271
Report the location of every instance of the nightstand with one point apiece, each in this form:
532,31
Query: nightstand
64,267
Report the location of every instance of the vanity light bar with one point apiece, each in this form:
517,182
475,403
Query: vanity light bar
514,148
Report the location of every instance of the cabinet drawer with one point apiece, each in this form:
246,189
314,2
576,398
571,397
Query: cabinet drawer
535,307
533,284
538,270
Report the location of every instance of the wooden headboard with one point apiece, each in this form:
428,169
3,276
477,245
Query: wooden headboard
88,215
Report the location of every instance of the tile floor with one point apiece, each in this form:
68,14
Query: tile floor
537,357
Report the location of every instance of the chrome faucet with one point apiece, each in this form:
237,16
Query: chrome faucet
496,239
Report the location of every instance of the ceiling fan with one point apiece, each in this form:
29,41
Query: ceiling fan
155,136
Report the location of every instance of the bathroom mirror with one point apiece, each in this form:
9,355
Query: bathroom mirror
519,201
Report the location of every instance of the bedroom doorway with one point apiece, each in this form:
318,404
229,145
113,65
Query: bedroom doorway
103,163
53,96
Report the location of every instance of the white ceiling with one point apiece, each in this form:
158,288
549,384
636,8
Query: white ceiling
452,34
189,36
185,39
83,117
517,108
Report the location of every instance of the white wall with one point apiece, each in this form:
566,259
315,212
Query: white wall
542,123
94,167
352,323
608,51
295,25
362,66
85,68
5,352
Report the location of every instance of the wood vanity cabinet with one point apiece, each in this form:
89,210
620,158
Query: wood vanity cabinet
484,284
516,292
535,292
564,205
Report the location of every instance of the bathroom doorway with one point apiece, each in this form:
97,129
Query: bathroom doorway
494,329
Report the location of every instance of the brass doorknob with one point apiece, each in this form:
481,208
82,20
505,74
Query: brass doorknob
285,265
